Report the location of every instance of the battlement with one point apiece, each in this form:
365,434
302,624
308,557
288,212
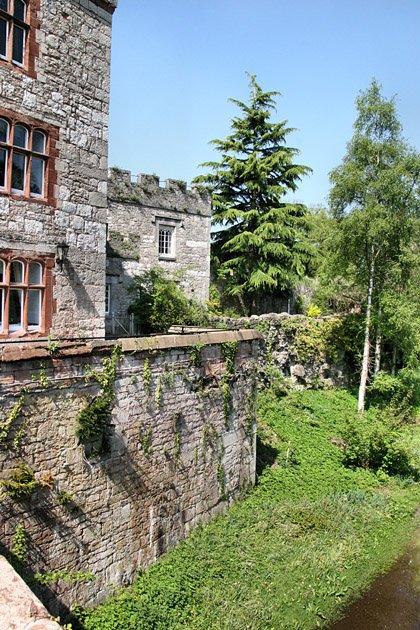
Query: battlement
146,190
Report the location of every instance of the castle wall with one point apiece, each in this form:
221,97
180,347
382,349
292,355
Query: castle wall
302,351
178,448
137,212
65,92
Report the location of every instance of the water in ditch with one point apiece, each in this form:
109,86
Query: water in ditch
393,601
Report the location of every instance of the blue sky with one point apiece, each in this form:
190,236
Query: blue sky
175,63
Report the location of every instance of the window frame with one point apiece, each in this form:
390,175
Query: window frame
170,231
29,48
42,286
42,177
107,298
12,23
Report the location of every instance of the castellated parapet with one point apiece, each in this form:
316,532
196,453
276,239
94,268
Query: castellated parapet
153,226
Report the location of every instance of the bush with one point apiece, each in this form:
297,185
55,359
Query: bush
386,387
160,302
313,311
375,445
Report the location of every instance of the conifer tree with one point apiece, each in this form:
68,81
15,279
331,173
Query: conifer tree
261,244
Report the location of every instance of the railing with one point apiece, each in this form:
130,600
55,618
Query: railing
121,324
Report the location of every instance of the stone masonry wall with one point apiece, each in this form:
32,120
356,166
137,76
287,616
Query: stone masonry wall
303,359
174,457
136,210
69,90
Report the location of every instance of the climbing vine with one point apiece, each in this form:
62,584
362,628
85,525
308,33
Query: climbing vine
18,549
159,393
318,338
13,415
229,351
92,420
147,377
21,482
195,354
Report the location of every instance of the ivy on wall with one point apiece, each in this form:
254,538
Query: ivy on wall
92,420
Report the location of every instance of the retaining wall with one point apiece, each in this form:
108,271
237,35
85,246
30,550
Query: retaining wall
175,453
309,352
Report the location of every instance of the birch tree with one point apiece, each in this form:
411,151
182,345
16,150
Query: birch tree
374,197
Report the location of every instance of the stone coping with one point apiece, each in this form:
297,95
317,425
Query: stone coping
20,609
37,350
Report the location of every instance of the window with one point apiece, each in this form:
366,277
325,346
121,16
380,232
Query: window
107,299
13,31
23,159
166,241
22,296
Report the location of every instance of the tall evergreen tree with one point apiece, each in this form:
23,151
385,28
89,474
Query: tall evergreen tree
374,197
260,244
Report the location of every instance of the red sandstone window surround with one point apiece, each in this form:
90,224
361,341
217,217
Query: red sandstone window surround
25,294
18,22
27,158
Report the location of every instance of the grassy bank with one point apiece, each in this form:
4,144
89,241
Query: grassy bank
306,540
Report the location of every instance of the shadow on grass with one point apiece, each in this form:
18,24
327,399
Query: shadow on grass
266,455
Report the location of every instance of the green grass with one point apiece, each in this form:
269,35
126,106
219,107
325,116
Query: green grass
302,545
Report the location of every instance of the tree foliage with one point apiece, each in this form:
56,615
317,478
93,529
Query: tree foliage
160,302
374,198
261,242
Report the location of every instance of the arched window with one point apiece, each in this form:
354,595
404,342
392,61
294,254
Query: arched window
4,137
13,31
39,143
22,293
23,159
2,281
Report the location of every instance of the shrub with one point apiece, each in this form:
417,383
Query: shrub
160,302
375,445
313,311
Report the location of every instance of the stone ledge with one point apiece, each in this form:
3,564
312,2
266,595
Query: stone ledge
10,352
20,609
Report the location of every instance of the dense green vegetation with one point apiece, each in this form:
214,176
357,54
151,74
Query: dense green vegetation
315,531
159,302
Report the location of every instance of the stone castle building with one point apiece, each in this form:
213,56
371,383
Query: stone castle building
54,105
152,226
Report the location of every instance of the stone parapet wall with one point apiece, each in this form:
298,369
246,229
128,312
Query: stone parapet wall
307,360
178,448
20,609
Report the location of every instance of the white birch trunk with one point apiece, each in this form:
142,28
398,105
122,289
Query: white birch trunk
378,344
366,349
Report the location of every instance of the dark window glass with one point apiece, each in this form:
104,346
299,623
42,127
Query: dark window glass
4,131
3,157
4,4
1,271
15,308
18,172
3,38
20,137
16,272
18,44
37,177
38,142
20,10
